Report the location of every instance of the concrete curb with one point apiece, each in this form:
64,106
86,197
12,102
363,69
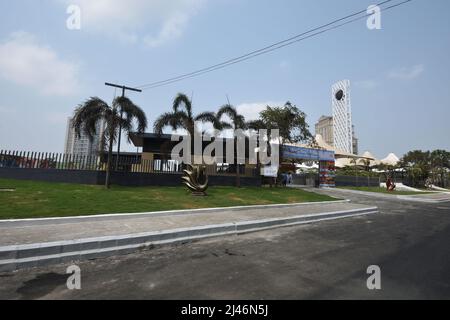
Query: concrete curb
43,254
367,193
395,197
119,216
422,200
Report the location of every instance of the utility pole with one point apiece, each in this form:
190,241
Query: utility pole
124,88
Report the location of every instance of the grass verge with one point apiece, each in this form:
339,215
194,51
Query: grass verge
383,190
32,199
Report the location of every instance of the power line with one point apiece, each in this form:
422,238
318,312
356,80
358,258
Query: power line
276,46
262,49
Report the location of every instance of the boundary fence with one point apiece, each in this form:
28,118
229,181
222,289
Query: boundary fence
131,163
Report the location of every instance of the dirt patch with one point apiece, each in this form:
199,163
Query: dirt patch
41,285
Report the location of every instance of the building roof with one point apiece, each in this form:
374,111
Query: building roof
339,153
138,138
391,160
325,118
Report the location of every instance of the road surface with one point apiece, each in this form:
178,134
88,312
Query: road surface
410,242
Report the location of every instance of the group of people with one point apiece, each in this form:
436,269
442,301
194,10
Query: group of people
285,178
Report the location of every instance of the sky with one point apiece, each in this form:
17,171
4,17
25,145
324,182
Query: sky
400,74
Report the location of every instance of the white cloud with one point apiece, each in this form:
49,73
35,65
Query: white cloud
24,61
155,22
251,110
408,73
171,29
367,84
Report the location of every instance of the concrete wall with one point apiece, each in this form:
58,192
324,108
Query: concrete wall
118,178
353,181
51,175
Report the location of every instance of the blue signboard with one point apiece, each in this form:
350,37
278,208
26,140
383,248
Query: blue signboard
292,152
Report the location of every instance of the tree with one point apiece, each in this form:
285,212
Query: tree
237,122
289,120
181,117
440,164
417,164
89,113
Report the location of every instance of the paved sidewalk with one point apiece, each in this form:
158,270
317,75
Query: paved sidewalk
433,197
430,197
115,226
40,242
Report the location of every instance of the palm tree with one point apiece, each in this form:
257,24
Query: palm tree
89,113
237,122
181,117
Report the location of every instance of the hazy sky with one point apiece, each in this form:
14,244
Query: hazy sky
400,75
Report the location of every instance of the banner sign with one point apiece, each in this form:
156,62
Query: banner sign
327,174
292,152
269,171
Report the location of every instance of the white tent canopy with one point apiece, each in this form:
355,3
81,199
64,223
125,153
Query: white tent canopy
344,159
391,160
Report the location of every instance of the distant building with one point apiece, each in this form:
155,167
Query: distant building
355,141
342,116
324,127
83,145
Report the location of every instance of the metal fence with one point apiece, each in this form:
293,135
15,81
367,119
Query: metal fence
48,160
125,163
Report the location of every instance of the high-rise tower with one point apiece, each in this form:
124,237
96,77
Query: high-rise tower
342,116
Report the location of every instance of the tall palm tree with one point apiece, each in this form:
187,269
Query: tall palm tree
182,117
237,122
89,113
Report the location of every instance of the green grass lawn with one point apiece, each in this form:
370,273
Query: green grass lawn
33,199
383,190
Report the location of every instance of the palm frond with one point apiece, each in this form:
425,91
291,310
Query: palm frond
87,115
182,99
223,125
240,122
167,119
229,110
132,112
237,119
210,117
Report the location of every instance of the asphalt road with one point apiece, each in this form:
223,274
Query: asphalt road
410,242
